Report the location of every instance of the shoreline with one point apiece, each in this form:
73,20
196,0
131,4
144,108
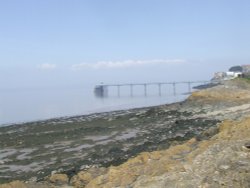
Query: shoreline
96,151
99,139
88,114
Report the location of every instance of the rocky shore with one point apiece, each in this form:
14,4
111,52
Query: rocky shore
201,142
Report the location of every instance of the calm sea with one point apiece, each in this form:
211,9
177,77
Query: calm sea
24,105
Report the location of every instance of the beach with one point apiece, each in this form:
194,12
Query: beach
40,151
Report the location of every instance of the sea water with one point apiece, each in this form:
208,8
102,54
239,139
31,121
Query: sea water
31,104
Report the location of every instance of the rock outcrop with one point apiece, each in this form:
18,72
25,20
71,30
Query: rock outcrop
232,92
14,184
222,161
59,179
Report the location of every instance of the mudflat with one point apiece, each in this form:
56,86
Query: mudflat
67,145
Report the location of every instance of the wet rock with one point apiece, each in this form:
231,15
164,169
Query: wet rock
33,179
133,119
216,162
208,133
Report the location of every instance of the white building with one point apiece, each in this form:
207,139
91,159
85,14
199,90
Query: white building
231,75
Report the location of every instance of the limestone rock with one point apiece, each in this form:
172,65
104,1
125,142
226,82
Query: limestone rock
84,177
14,184
59,179
218,162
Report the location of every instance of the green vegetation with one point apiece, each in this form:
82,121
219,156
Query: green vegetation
242,80
246,78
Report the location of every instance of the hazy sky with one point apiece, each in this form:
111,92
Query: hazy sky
66,42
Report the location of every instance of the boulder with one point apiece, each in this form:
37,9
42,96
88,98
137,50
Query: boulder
59,179
14,184
84,177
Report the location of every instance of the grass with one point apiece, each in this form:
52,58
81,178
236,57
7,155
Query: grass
247,79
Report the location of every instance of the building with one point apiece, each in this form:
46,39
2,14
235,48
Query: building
219,76
233,72
231,75
246,70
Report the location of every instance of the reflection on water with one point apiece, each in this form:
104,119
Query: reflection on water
30,105
101,91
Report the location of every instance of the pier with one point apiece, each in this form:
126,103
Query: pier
102,89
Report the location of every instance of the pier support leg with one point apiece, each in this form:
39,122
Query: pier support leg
118,91
174,88
145,89
189,87
131,90
159,87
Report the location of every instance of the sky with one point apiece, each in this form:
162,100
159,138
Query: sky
62,43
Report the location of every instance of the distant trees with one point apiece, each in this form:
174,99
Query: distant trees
236,69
